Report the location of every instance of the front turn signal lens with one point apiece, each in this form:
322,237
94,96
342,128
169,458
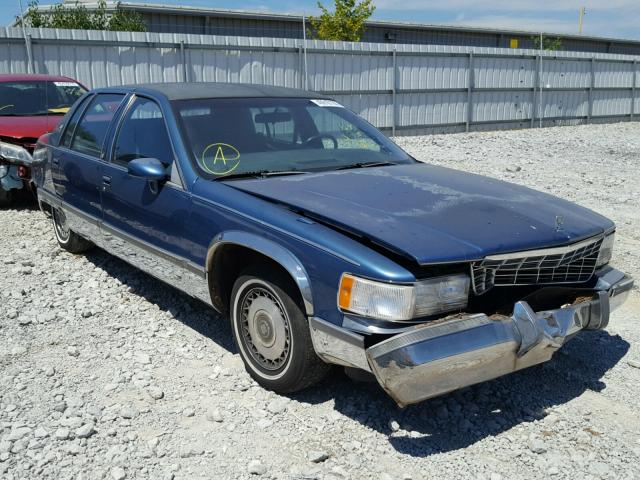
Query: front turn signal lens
346,287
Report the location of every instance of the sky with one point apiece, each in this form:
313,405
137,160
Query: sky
608,18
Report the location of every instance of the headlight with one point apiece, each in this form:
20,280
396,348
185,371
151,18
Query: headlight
387,301
14,153
606,250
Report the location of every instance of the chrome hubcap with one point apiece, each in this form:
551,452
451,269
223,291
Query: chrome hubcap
265,328
60,224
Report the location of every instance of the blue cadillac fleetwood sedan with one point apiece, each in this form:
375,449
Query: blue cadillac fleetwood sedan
322,240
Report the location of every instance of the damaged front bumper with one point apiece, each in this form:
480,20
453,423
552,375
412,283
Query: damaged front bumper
443,355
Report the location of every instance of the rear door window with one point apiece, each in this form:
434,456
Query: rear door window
91,131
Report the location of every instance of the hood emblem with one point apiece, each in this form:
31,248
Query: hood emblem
559,223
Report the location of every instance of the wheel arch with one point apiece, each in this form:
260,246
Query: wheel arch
236,239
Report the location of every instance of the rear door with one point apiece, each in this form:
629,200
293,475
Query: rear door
143,222
79,164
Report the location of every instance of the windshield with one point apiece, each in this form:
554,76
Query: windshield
23,99
268,135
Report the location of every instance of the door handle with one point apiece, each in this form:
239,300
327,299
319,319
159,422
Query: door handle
106,183
55,161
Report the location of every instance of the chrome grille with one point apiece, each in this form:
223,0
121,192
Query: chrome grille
571,264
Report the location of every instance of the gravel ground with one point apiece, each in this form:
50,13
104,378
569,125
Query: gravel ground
107,373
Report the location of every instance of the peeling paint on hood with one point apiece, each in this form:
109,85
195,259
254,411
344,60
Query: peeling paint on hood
432,214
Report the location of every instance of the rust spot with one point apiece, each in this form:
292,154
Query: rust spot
583,299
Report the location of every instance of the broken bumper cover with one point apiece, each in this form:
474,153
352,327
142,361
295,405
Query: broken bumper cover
444,355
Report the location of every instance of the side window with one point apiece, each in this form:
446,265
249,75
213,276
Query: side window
143,134
71,124
92,129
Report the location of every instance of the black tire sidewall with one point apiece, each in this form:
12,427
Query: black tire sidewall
290,376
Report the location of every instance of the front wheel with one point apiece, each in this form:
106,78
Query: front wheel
272,332
67,238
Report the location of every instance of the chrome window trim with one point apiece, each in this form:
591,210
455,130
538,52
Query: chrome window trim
545,251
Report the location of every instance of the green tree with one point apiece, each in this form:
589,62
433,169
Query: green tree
548,43
79,17
346,23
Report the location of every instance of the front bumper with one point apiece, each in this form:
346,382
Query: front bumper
447,354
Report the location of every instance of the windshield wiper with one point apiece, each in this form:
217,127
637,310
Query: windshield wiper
365,165
260,174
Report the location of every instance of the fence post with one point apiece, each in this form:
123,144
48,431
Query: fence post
540,91
31,68
592,82
301,67
633,89
536,82
394,57
183,57
470,87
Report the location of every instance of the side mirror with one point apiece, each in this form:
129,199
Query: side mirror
150,169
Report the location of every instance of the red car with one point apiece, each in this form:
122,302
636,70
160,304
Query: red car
30,106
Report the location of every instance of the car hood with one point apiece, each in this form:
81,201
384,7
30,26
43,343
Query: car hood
26,129
432,214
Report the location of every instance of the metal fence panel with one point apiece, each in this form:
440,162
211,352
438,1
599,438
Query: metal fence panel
419,72
610,103
613,74
496,72
428,109
502,106
565,104
404,88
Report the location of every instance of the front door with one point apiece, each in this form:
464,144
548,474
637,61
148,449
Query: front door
143,222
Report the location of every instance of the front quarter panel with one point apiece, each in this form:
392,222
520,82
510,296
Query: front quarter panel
323,254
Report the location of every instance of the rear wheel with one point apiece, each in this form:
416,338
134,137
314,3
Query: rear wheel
6,197
272,332
67,238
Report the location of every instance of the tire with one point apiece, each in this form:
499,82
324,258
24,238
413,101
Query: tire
67,238
267,320
6,197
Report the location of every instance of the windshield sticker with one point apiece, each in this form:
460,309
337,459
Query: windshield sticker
220,159
327,103
66,84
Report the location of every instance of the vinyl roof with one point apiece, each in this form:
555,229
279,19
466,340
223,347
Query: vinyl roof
185,91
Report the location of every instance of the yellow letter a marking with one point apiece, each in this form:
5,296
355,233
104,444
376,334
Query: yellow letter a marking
219,155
